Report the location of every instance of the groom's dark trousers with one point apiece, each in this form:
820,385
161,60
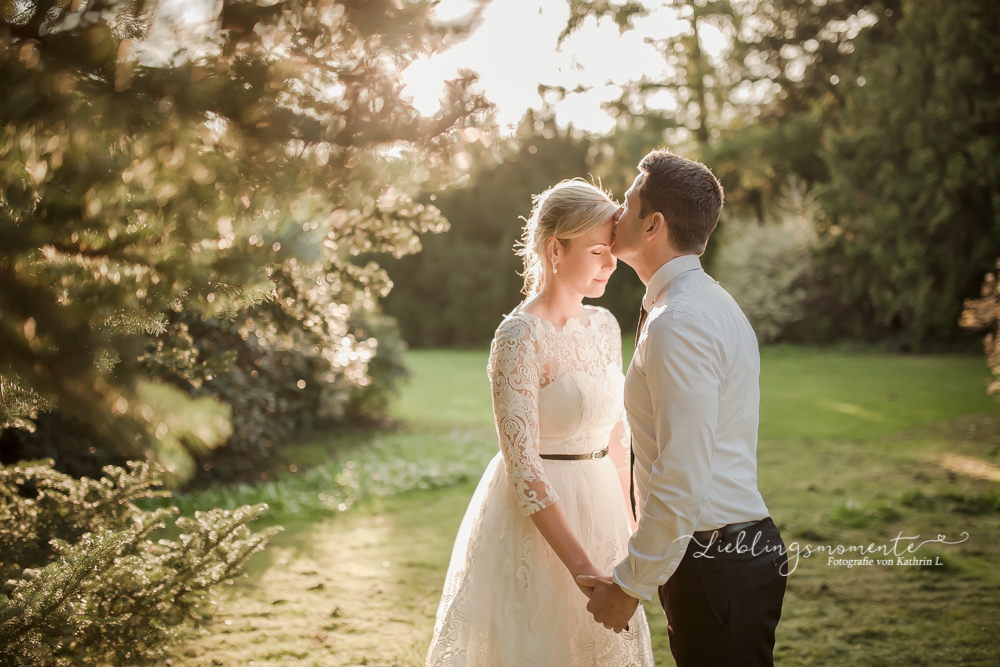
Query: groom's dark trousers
722,610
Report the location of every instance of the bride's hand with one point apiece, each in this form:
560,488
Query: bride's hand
588,569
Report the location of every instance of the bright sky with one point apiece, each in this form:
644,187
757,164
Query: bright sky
514,49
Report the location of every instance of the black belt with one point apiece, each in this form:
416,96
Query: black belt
576,457
723,533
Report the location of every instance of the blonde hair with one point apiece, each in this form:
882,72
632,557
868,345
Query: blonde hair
565,211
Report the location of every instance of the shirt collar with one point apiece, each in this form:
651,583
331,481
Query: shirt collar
663,275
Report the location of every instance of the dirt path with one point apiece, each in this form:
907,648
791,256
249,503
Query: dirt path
357,589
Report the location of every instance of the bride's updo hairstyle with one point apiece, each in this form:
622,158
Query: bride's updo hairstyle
565,211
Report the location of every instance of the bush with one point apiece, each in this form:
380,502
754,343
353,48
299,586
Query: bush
259,382
279,391
370,402
765,267
984,314
72,445
83,580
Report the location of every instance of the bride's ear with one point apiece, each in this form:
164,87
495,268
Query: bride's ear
552,251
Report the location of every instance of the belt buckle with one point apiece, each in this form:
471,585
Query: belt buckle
596,455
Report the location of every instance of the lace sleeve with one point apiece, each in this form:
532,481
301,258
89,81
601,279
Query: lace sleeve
514,373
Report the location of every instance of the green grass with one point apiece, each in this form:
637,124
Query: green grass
447,388
848,455
828,396
370,466
860,493
804,393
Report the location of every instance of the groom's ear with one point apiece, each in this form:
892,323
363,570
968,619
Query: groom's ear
655,225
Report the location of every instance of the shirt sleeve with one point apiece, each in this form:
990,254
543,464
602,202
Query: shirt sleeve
683,371
514,374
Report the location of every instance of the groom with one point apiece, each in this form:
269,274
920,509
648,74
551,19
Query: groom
704,544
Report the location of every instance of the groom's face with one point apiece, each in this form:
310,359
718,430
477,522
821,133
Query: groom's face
628,231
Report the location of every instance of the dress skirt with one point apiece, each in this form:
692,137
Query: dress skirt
508,599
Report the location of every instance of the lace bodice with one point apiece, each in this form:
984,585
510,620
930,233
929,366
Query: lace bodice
554,392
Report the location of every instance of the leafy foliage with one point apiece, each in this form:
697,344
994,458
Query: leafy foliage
912,216
231,188
766,267
83,579
784,75
887,110
753,110
622,13
984,314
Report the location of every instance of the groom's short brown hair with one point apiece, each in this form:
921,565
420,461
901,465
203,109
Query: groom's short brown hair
686,193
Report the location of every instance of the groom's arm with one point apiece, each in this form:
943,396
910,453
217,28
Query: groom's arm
683,372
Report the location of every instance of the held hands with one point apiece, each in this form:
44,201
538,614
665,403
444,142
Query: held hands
611,606
585,570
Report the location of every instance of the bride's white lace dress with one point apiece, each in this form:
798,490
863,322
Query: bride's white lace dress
508,599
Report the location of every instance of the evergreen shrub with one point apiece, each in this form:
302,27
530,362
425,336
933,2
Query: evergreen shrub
88,577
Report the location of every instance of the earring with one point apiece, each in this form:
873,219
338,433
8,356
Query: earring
555,269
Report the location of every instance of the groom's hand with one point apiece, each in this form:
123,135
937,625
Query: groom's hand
611,606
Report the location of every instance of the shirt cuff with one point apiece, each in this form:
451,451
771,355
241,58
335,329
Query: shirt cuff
636,591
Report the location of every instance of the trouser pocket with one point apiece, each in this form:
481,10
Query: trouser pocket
716,578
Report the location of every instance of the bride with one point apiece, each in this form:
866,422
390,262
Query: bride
552,503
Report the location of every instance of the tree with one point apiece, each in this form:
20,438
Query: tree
751,110
912,221
887,111
789,59
235,186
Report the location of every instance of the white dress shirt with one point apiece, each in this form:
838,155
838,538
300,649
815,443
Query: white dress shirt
692,392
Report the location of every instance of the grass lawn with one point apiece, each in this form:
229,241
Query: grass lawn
855,450
804,393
